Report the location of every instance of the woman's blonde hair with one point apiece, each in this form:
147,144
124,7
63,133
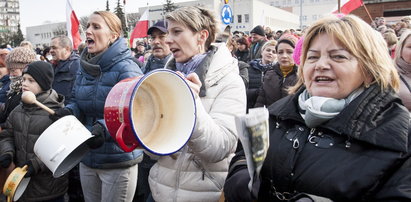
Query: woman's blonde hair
112,21
360,40
269,43
197,19
400,44
390,38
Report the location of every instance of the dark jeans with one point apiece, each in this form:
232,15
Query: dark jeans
143,188
58,199
75,192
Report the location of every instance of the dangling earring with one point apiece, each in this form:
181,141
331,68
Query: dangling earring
367,85
199,48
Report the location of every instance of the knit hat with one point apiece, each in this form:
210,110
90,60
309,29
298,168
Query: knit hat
4,51
290,37
297,51
42,72
258,30
19,57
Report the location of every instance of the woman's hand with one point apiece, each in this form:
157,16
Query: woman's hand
193,81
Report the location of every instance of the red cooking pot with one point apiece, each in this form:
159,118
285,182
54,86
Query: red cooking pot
156,112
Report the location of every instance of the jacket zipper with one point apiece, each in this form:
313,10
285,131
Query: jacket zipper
205,173
296,146
95,97
180,161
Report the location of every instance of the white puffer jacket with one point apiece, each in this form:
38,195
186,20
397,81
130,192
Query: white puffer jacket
198,171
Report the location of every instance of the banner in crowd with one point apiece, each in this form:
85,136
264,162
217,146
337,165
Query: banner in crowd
72,25
141,28
346,6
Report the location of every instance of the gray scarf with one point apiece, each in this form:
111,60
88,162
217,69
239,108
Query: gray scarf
15,84
403,67
191,65
89,63
316,110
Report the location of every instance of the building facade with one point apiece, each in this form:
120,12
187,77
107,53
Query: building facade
40,36
9,15
246,14
390,9
309,10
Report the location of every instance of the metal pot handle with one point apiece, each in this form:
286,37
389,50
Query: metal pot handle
120,141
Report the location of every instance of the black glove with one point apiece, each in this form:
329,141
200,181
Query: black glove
30,169
97,140
5,160
60,113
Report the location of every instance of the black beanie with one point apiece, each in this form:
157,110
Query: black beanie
258,30
42,72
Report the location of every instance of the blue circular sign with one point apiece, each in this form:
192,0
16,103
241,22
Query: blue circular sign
226,14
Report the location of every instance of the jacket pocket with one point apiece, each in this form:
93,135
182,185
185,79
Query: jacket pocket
64,77
205,173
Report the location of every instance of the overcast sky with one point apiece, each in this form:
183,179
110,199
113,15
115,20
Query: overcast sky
37,12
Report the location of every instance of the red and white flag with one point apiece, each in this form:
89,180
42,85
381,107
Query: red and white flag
72,25
346,6
141,28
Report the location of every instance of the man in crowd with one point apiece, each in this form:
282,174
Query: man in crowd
160,50
66,64
258,39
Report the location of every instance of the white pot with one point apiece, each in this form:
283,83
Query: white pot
61,146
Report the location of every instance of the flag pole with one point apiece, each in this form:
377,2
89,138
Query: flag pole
366,10
339,6
125,16
301,14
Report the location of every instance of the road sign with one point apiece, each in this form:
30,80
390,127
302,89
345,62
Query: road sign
226,14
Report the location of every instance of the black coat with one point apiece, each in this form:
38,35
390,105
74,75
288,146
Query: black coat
255,75
243,55
362,154
12,101
275,85
65,75
257,53
23,127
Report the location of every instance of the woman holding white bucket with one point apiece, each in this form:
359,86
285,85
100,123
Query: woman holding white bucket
22,129
197,172
107,173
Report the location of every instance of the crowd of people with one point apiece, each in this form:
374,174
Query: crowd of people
338,95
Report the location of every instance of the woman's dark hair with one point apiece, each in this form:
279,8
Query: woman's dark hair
243,40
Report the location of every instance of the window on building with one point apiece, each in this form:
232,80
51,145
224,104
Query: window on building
239,18
297,1
288,2
246,18
304,18
314,17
